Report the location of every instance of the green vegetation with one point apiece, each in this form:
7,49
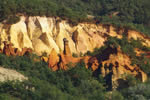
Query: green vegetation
44,84
133,14
77,82
137,92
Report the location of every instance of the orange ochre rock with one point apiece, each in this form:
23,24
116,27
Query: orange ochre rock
120,64
45,59
60,62
53,60
10,51
112,61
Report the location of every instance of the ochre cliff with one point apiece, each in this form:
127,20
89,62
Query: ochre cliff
60,40
111,63
42,34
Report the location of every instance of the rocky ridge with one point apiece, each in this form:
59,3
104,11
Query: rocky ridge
60,40
111,63
42,34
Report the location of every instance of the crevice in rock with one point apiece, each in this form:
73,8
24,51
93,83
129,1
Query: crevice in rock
26,23
20,39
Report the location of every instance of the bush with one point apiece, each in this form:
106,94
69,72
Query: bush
138,92
131,80
13,20
116,96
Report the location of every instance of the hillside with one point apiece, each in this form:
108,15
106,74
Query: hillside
49,32
100,55
74,50
130,13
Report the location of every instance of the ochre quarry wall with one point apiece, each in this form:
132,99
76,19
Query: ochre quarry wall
111,63
42,34
60,40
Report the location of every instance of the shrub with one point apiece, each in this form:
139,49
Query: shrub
13,19
116,96
138,92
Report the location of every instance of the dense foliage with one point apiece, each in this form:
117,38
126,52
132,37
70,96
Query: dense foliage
76,83
130,13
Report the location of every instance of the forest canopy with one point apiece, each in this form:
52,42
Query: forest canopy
132,13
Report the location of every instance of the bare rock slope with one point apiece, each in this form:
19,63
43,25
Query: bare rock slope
10,75
111,63
42,34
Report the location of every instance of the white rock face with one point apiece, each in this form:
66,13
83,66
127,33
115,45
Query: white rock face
10,75
42,34
19,36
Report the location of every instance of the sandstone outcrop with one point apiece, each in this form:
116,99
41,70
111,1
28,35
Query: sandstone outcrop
10,50
42,34
116,65
53,60
60,62
111,63
60,40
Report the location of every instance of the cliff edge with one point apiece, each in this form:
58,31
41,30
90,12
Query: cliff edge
42,34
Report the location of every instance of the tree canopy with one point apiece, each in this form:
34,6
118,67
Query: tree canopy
133,13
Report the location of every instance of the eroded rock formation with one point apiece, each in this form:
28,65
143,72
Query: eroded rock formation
119,66
42,34
51,35
60,61
10,50
112,62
